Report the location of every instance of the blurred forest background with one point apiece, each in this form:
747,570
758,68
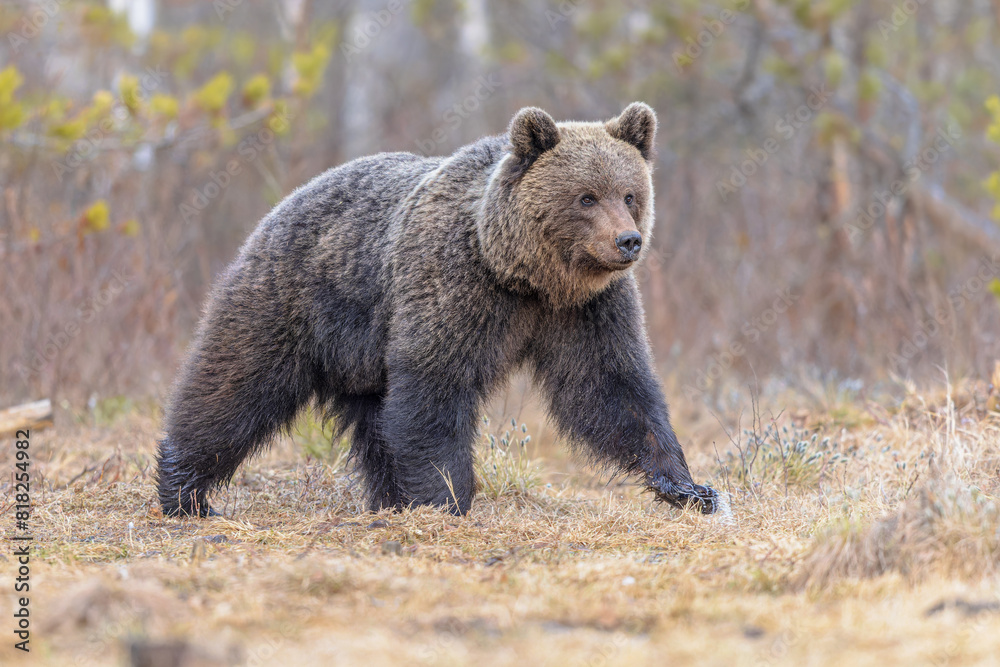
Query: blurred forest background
828,196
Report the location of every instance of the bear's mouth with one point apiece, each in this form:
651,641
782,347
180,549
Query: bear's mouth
612,264
598,262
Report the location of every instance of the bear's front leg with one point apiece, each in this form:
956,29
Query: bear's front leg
668,488
594,365
430,423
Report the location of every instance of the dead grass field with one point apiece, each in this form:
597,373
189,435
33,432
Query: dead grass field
879,546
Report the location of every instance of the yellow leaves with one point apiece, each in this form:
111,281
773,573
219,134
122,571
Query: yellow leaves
781,68
256,90
512,52
994,287
103,101
195,41
978,31
130,227
104,27
834,65
279,120
802,13
96,218
55,109
11,113
243,48
160,45
165,106
128,88
830,124
70,130
993,105
992,183
194,38
275,60
815,15
227,136
10,81
875,53
328,32
213,95
309,68
869,85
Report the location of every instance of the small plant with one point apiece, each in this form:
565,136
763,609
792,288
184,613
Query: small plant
316,437
779,455
110,410
946,524
503,467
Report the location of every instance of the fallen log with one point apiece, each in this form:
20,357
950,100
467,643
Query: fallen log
36,415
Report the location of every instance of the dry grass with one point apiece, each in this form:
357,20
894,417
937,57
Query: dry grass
888,555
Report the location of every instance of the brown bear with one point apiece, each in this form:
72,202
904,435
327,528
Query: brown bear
398,292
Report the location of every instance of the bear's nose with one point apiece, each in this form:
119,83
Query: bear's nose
629,243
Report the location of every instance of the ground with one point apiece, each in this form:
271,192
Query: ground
876,542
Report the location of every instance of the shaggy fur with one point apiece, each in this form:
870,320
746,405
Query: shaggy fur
399,292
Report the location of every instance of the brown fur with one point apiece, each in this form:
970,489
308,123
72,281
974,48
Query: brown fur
399,292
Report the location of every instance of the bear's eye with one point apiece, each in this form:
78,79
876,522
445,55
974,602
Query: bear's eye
629,200
588,200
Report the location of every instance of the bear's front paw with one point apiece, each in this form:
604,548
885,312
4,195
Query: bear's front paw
685,495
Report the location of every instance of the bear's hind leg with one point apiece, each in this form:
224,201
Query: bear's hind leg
230,401
370,450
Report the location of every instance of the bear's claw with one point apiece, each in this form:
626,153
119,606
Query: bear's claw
685,495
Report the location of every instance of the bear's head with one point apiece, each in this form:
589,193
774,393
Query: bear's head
569,208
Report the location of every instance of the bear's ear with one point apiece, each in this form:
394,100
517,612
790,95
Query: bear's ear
637,126
532,132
